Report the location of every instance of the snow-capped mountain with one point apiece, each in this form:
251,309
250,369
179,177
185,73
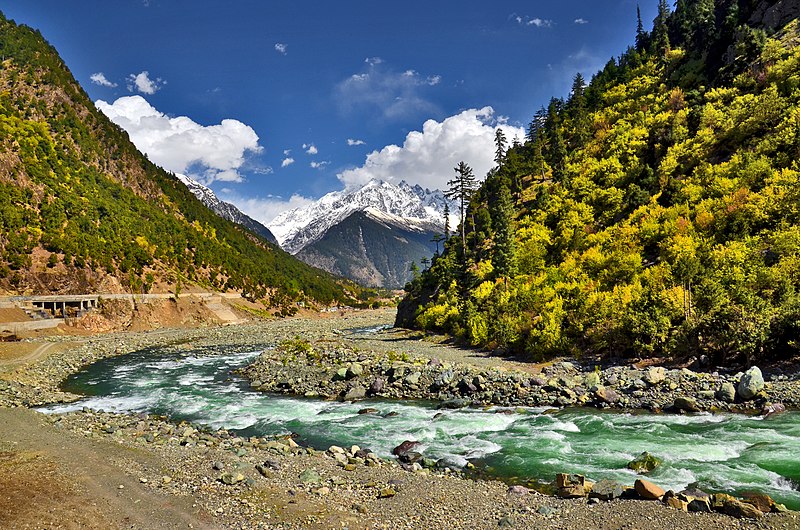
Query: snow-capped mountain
410,207
226,210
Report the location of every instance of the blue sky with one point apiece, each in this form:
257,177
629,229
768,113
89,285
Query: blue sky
275,103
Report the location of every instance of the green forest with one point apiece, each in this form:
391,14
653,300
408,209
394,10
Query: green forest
651,213
74,186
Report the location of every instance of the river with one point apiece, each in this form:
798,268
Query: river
724,452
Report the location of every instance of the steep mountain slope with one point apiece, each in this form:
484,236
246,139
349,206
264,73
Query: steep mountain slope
226,210
299,227
655,212
373,248
81,210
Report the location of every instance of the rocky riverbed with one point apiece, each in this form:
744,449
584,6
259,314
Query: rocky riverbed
262,482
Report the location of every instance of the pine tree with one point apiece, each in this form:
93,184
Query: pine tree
500,143
461,189
446,221
505,252
641,35
659,43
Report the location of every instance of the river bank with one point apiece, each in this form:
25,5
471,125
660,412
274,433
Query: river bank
282,486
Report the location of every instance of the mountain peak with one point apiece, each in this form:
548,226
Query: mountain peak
409,206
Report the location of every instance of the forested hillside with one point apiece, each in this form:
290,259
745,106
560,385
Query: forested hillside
81,209
653,212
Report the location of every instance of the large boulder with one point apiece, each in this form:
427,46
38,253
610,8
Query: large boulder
572,486
751,383
655,375
686,404
727,393
644,463
607,490
647,490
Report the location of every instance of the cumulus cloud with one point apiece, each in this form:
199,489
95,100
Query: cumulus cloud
287,162
141,82
205,153
100,79
319,165
281,48
428,157
581,21
311,149
387,92
351,142
265,209
525,20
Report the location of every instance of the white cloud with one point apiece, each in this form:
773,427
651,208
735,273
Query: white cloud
525,20
141,82
319,165
387,92
205,153
287,162
351,142
286,152
281,48
100,79
311,149
428,157
265,209
581,21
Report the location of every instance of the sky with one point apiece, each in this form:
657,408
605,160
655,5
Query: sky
273,104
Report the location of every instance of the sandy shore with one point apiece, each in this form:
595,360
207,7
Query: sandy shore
99,470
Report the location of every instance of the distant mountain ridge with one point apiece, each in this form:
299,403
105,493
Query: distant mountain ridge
412,207
226,210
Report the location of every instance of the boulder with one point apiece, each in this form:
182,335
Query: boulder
655,375
404,447
518,490
773,408
686,404
354,370
727,393
413,378
592,379
671,500
355,392
309,476
751,383
571,486
647,490
607,395
739,509
763,502
644,463
607,490
377,386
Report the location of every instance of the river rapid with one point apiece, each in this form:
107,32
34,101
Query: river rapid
720,453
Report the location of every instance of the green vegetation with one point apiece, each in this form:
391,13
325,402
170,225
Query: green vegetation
654,212
72,184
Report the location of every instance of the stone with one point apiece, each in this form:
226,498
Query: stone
592,379
409,457
386,493
644,463
413,378
761,501
518,490
368,410
324,490
231,478
751,383
355,392
655,375
571,486
607,490
727,393
310,476
686,404
404,447
341,373
505,522
607,395
546,511
678,504
377,385
217,465
354,370
773,408
740,510
647,490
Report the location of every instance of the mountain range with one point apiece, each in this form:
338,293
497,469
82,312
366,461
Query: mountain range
370,234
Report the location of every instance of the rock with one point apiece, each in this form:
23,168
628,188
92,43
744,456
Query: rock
324,490
518,490
453,404
727,393
404,447
231,478
686,404
505,522
355,392
607,490
696,500
571,486
644,463
310,476
773,408
409,457
607,395
763,502
377,386
752,383
736,508
413,378
466,386
655,375
217,465
386,493
678,504
546,511
592,379
354,370
647,490
341,374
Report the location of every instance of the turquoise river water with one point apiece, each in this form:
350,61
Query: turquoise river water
724,452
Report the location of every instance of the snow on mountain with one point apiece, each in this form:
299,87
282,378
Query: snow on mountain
224,209
411,207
